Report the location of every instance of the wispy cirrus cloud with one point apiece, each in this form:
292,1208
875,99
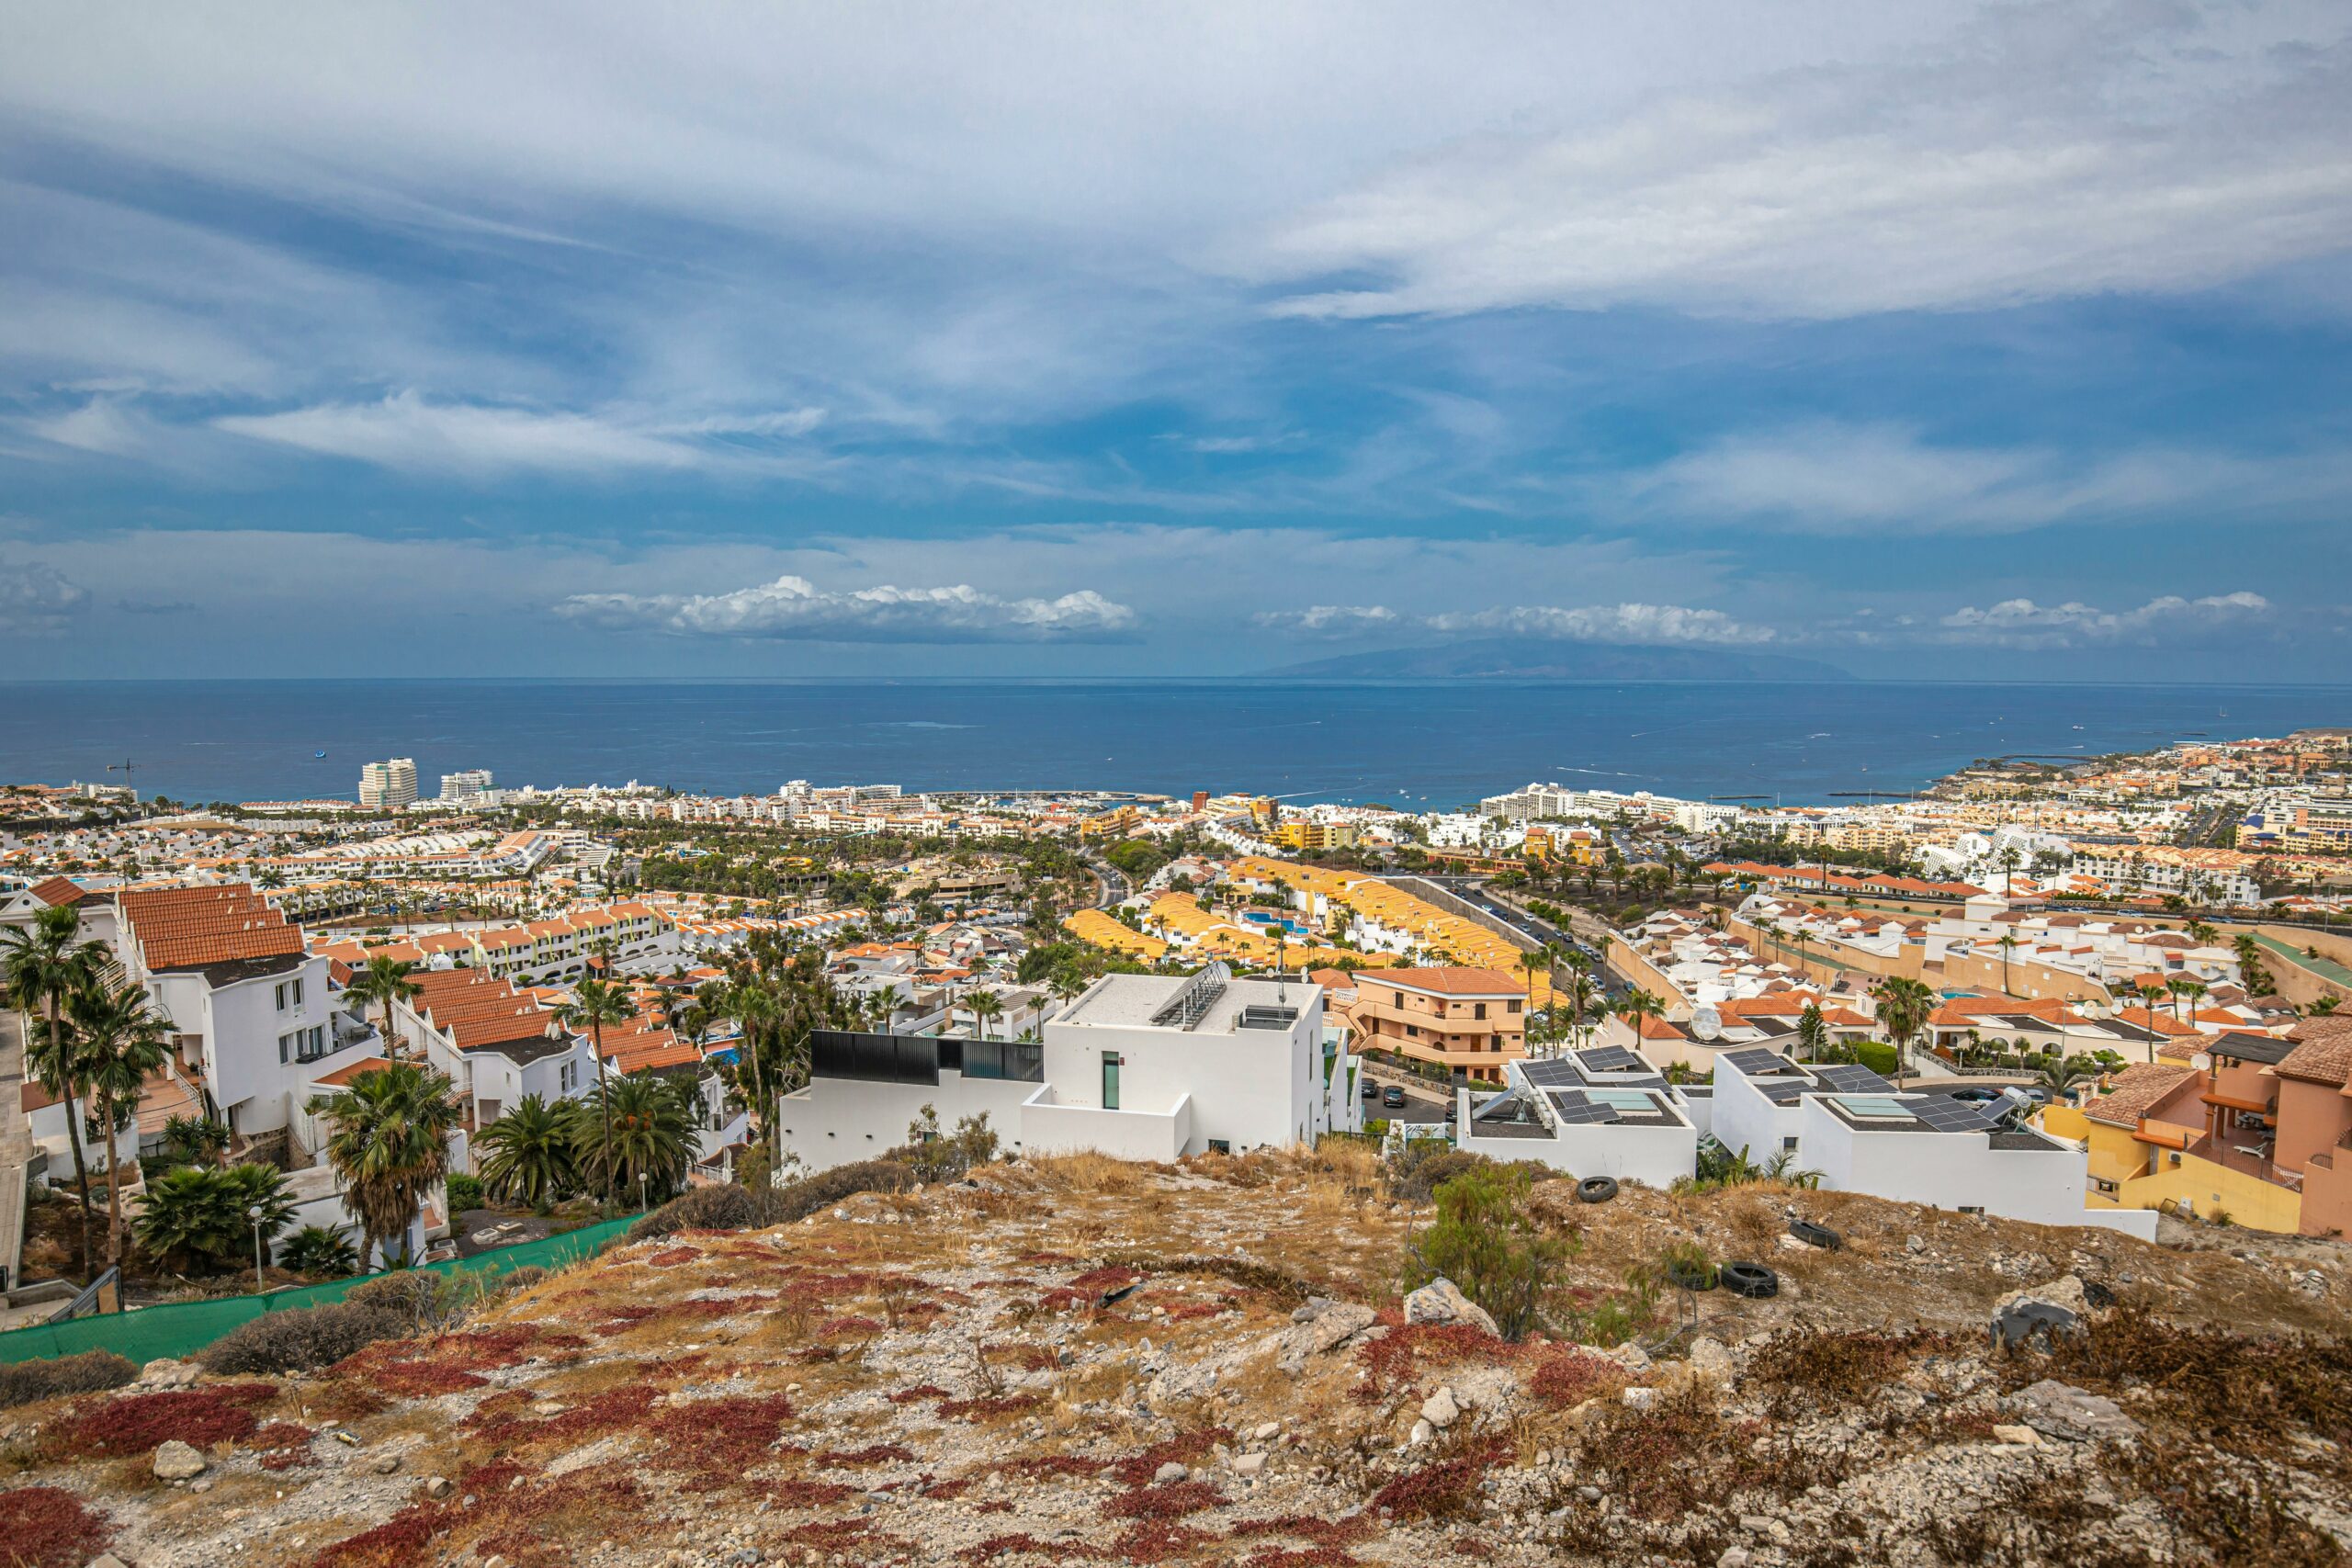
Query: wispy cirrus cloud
2044,153
1836,477
793,608
412,434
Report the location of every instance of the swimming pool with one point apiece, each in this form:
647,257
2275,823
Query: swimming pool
1261,917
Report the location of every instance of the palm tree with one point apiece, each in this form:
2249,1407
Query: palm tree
596,1003
985,1006
195,1215
1903,1005
527,1155
2183,989
2061,1076
886,1003
391,1144
1636,1006
649,1136
385,981
2008,944
1068,986
1582,997
41,965
1541,959
119,1040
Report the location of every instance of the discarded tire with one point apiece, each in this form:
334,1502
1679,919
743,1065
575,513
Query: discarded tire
1750,1279
1813,1235
1596,1190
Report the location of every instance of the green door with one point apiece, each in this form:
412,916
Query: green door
1109,1080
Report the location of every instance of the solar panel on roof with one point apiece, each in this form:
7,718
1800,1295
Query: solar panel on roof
1611,1059
1551,1075
1948,1115
1755,1059
1575,1110
1850,1078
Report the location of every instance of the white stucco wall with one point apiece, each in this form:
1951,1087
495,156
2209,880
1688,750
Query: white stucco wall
1948,1170
836,1121
1048,1127
1744,1118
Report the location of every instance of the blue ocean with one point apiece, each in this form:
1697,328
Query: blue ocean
1421,746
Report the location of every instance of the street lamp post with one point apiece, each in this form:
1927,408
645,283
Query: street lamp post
641,1193
257,1213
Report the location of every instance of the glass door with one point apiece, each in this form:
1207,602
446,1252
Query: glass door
1110,1064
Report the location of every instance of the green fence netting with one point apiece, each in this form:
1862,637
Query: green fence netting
181,1329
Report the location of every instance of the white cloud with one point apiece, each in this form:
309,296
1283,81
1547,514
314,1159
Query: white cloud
1833,478
406,432
2021,623
794,608
35,599
2046,152
1631,623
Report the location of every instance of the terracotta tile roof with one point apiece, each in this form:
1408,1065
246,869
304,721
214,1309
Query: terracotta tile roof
58,891
1454,982
189,928
341,1078
2137,1091
2322,1052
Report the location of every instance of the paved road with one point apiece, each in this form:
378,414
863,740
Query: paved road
1473,891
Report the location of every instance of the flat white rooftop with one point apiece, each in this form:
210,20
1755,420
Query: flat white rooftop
1205,1003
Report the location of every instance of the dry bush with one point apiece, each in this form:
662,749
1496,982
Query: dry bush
92,1371
302,1340
1091,1172
2242,1392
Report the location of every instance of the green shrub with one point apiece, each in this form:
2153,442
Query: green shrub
304,1339
1875,1055
21,1383
320,1252
934,1155
1418,1170
1487,1244
827,1188
465,1193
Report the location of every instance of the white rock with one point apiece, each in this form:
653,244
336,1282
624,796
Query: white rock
2017,1437
1169,1472
1250,1464
1631,1357
1709,1361
1441,1301
1639,1397
1439,1409
1266,1432
1422,1433
177,1461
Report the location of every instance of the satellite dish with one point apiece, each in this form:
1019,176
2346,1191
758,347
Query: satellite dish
2201,1061
1706,1024
318,753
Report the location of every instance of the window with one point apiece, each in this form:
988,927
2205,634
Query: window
1511,1007
289,995
566,1078
1788,1145
1112,1062
303,1045
1478,1010
1400,999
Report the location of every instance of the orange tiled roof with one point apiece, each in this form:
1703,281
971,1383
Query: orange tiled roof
1456,981
188,928
2322,1052
2135,1091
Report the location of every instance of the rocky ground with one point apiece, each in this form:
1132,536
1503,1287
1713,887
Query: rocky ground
1078,1361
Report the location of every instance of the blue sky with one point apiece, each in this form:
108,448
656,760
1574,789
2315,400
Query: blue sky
622,340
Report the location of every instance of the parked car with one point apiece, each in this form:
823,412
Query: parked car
1393,1098
1371,1089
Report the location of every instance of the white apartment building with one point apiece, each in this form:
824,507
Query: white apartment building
1964,1148
467,787
1604,1112
1140,1067
388,785
255,1017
